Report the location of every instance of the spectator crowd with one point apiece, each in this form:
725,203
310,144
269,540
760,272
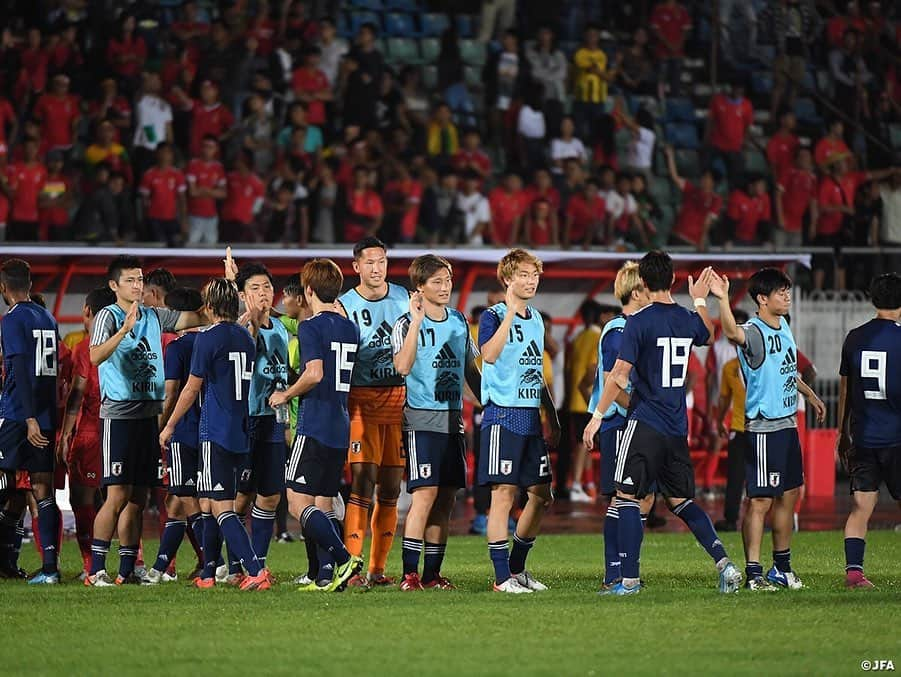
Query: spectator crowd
572,124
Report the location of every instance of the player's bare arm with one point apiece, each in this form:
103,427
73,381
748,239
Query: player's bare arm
699,289
550,411
312,374
406,356
844,442
615,382
185,401
73,407
493,347
101,353
812,399
719,287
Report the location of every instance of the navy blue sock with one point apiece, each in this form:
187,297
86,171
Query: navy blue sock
17,544
195,525
99,550
234,560
412,549
312,558
500,558
173,533
434,558
212,546
783,560
612,569
701,526
9,524
324,558
854,549
317,526
128,555
261,531
520,551
629,537
48,525
753,570
236,538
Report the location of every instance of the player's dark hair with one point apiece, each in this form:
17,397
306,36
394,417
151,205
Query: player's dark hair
161,278
656,270
741,316
98,299
221,297
476,312
249,270
184,299
590,311
367,243
120,263
766,281
425,266
293,287
15,274
885,291
324,278
38,299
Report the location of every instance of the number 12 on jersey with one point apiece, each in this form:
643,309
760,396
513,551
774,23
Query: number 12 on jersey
675,354
343,365
44,352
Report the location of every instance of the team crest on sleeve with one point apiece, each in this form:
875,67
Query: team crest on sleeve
356,447
116,469
425,470
506,467
774,479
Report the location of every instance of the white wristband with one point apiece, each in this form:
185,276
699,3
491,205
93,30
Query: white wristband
700,303
597,415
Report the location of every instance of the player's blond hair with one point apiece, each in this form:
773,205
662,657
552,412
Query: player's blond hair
627,281
506,267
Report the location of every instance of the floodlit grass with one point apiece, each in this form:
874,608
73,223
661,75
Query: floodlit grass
677,625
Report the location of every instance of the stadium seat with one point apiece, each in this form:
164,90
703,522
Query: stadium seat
755,163
806,110
371,5
473,77
433,24
430,77
403,50
400,25
661,190
682,135
357,19
466,26
688,163
680,110
401,6
429,49
761,82
895,135
343,27
473,52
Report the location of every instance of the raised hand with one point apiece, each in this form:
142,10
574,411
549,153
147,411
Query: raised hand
514,303
719,286
231,268
417,308
698,289
131,317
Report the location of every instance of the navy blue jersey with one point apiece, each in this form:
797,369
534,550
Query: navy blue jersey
871,359
657,343
177,361
223,357
29,340
322,414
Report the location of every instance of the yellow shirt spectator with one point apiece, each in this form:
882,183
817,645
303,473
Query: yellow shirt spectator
734,388
73,338
582,354
590,86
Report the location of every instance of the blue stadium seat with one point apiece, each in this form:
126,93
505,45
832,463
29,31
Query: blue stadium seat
473,77
401,6
472,52
755,163
343,27
434,24
682,135
679,110
403,50
806,111
430,77
466,26
371,5
429,49
400,25
761,82
895,135
688,163
357,19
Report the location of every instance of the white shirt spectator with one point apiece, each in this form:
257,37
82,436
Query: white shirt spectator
531,123
330,59
640,153
475,210
890,231
152,114
564,150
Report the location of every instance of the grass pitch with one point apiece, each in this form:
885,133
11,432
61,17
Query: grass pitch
678,625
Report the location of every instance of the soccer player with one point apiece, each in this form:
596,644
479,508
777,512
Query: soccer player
79,442
126,347
434,352
630,291
182,456
869,414
513,451
263,480
768,358
29,338
654,353
221,369
330,344
376,407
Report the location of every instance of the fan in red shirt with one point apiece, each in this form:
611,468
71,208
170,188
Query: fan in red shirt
700,206
244,197
26,180
364,208
4,189
727,127
831,145
796,196
509,203
54,201
472,157
8,121
542,188
749,213
670,23
34,59
190,30
263,30
59,115
206,184
208,116
783,146
586,215
111,106
406,194
541,224
127,52
79,440
835,29
163,189
66,56
311,85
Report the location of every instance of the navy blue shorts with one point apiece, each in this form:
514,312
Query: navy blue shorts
313,468
609,445
648,459
508,458
773,463
264,469
17,453
219,471
435,459
182,461
131,452
871,467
